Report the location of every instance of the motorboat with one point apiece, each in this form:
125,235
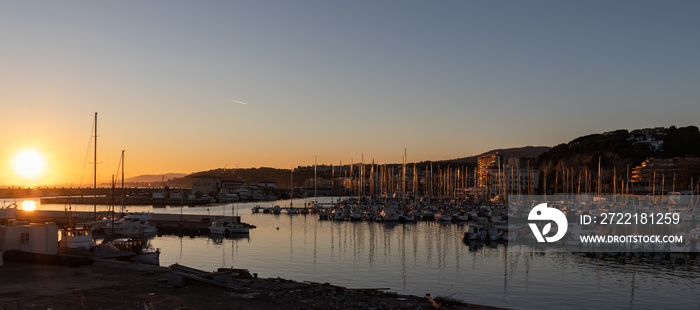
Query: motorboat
338,214
132,225
227,197
225,228
76,240
128,250
389,214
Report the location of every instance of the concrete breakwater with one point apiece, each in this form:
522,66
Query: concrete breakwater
36,192
166,223
129,201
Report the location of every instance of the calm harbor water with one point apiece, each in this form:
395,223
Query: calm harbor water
427,257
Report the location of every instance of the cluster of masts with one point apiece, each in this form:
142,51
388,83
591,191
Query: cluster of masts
386,180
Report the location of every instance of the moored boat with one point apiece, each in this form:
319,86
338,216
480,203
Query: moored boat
389,214
225,228
132,225
76,240
128,250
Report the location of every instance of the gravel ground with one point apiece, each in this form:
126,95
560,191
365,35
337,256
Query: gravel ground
117,285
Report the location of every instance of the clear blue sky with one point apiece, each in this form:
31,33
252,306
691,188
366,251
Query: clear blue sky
337,79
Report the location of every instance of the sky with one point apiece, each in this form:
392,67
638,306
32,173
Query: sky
187,86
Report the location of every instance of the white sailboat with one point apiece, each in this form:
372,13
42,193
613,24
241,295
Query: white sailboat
132,225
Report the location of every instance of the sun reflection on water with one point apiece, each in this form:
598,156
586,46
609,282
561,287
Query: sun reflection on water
28,205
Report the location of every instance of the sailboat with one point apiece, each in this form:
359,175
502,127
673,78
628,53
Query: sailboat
134,224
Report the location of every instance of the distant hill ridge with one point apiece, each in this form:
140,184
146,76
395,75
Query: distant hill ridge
154,177
525,151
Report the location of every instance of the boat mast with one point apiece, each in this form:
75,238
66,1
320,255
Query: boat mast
122,182
403,180
94,173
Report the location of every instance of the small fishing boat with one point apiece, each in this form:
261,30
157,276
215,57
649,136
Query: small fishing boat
127,250
225,228
227,197
76,240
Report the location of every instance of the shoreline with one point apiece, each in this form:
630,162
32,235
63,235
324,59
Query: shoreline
118,285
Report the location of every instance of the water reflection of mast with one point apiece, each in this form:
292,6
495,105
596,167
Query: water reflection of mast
634,272
527,268
361,236
402,244
180,259
291,235
332,242
428,243
305,231
355,241
315,242
372,244
345,238
387,242
415,244
505,272
457,240
442,251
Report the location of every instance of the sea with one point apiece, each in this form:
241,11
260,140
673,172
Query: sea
427,257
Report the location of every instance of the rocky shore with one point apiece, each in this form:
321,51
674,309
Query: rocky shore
117,285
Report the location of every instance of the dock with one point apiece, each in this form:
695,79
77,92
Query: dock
166,223
316,208
129,201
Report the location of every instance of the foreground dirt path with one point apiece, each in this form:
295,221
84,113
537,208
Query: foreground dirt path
117,285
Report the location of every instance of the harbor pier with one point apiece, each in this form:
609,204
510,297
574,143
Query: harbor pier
166,223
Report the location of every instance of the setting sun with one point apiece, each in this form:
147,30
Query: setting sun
29,164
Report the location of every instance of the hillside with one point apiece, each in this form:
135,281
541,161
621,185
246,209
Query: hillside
151,178
526,151
301,174
248,175
618,152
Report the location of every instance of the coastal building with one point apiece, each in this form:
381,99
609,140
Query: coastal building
496,175
319,182
206,184
663,175
484,163
651,141
34,238
513,179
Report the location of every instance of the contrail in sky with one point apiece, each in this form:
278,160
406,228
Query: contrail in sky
236,101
